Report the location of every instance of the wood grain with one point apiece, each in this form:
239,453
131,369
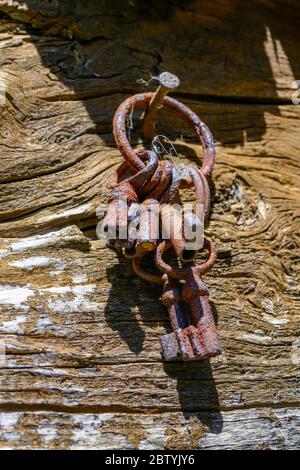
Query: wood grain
81,334
241,430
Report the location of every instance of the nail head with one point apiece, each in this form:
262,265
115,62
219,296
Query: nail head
168,80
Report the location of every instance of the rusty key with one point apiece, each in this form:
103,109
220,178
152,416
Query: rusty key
189,341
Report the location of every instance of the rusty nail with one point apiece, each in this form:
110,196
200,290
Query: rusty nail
167,82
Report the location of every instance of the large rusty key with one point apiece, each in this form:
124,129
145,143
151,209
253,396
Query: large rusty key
204,335
188,341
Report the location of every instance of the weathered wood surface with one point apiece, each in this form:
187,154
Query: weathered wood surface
247,429
81,333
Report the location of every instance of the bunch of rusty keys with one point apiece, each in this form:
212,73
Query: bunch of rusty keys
143,189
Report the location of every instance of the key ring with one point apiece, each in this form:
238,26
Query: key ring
172,105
